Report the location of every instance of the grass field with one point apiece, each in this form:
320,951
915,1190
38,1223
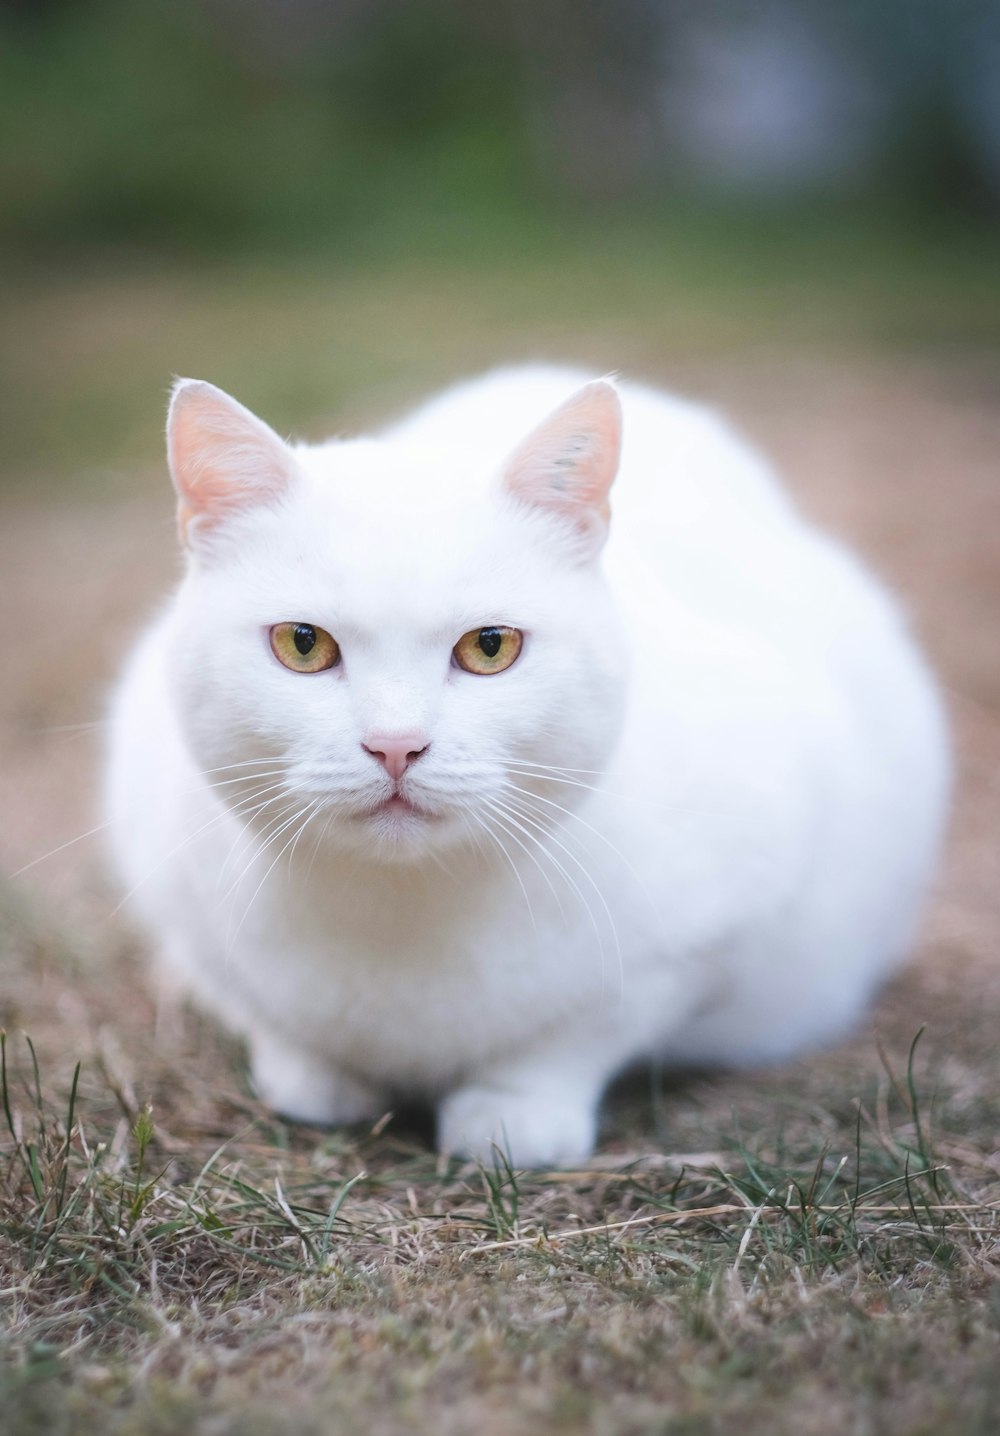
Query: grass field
811,1250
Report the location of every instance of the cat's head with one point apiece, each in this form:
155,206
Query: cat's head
390,648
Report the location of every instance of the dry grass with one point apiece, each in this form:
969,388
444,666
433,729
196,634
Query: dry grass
815,1249
175,1258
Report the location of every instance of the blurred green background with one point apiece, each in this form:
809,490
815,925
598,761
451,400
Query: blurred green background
330,208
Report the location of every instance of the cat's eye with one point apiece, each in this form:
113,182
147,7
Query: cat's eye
487,650
303,647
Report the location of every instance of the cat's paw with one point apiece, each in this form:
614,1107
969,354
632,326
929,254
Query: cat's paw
307,1089
531,1129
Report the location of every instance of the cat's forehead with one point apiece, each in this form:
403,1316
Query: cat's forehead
396,508
380,531
373,481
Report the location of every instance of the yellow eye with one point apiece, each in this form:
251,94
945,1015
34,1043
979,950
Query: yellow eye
487,650
303,647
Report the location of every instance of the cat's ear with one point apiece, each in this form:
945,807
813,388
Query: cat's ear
222,458
567,465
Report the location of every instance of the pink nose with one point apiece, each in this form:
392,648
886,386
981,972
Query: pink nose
396,754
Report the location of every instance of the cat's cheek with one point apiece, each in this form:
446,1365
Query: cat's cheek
231,711
562,713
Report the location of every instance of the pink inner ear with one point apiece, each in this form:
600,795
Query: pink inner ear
569,462
221,456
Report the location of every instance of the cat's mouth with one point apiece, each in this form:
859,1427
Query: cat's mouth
397,805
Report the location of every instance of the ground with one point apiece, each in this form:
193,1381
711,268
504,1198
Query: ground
811,1249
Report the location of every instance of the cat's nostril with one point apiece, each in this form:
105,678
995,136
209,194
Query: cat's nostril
396,754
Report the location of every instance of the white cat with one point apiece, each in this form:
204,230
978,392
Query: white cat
430,793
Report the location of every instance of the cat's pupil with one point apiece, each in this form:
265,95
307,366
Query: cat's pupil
304,638
490,640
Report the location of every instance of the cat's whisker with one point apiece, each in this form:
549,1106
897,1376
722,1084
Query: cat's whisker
243,763
303,817
236,804
490,833
517,816
581,898
527,796
438,860
552,773
102,827
246,811
318,807
189,838
510,819
73,728
221,783
521,800
307,813
279,824
254,844
52,852
247,836
327,808
265,796
496,809
559,778
559,768
473,832
659,805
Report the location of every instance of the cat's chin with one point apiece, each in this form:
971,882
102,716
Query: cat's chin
400,831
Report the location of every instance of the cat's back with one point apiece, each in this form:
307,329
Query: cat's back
698,516
680,460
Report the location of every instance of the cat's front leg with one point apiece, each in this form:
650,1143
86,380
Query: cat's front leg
307,1088
535,1117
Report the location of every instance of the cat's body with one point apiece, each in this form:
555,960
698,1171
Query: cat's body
692,820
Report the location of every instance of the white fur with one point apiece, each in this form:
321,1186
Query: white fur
748,783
